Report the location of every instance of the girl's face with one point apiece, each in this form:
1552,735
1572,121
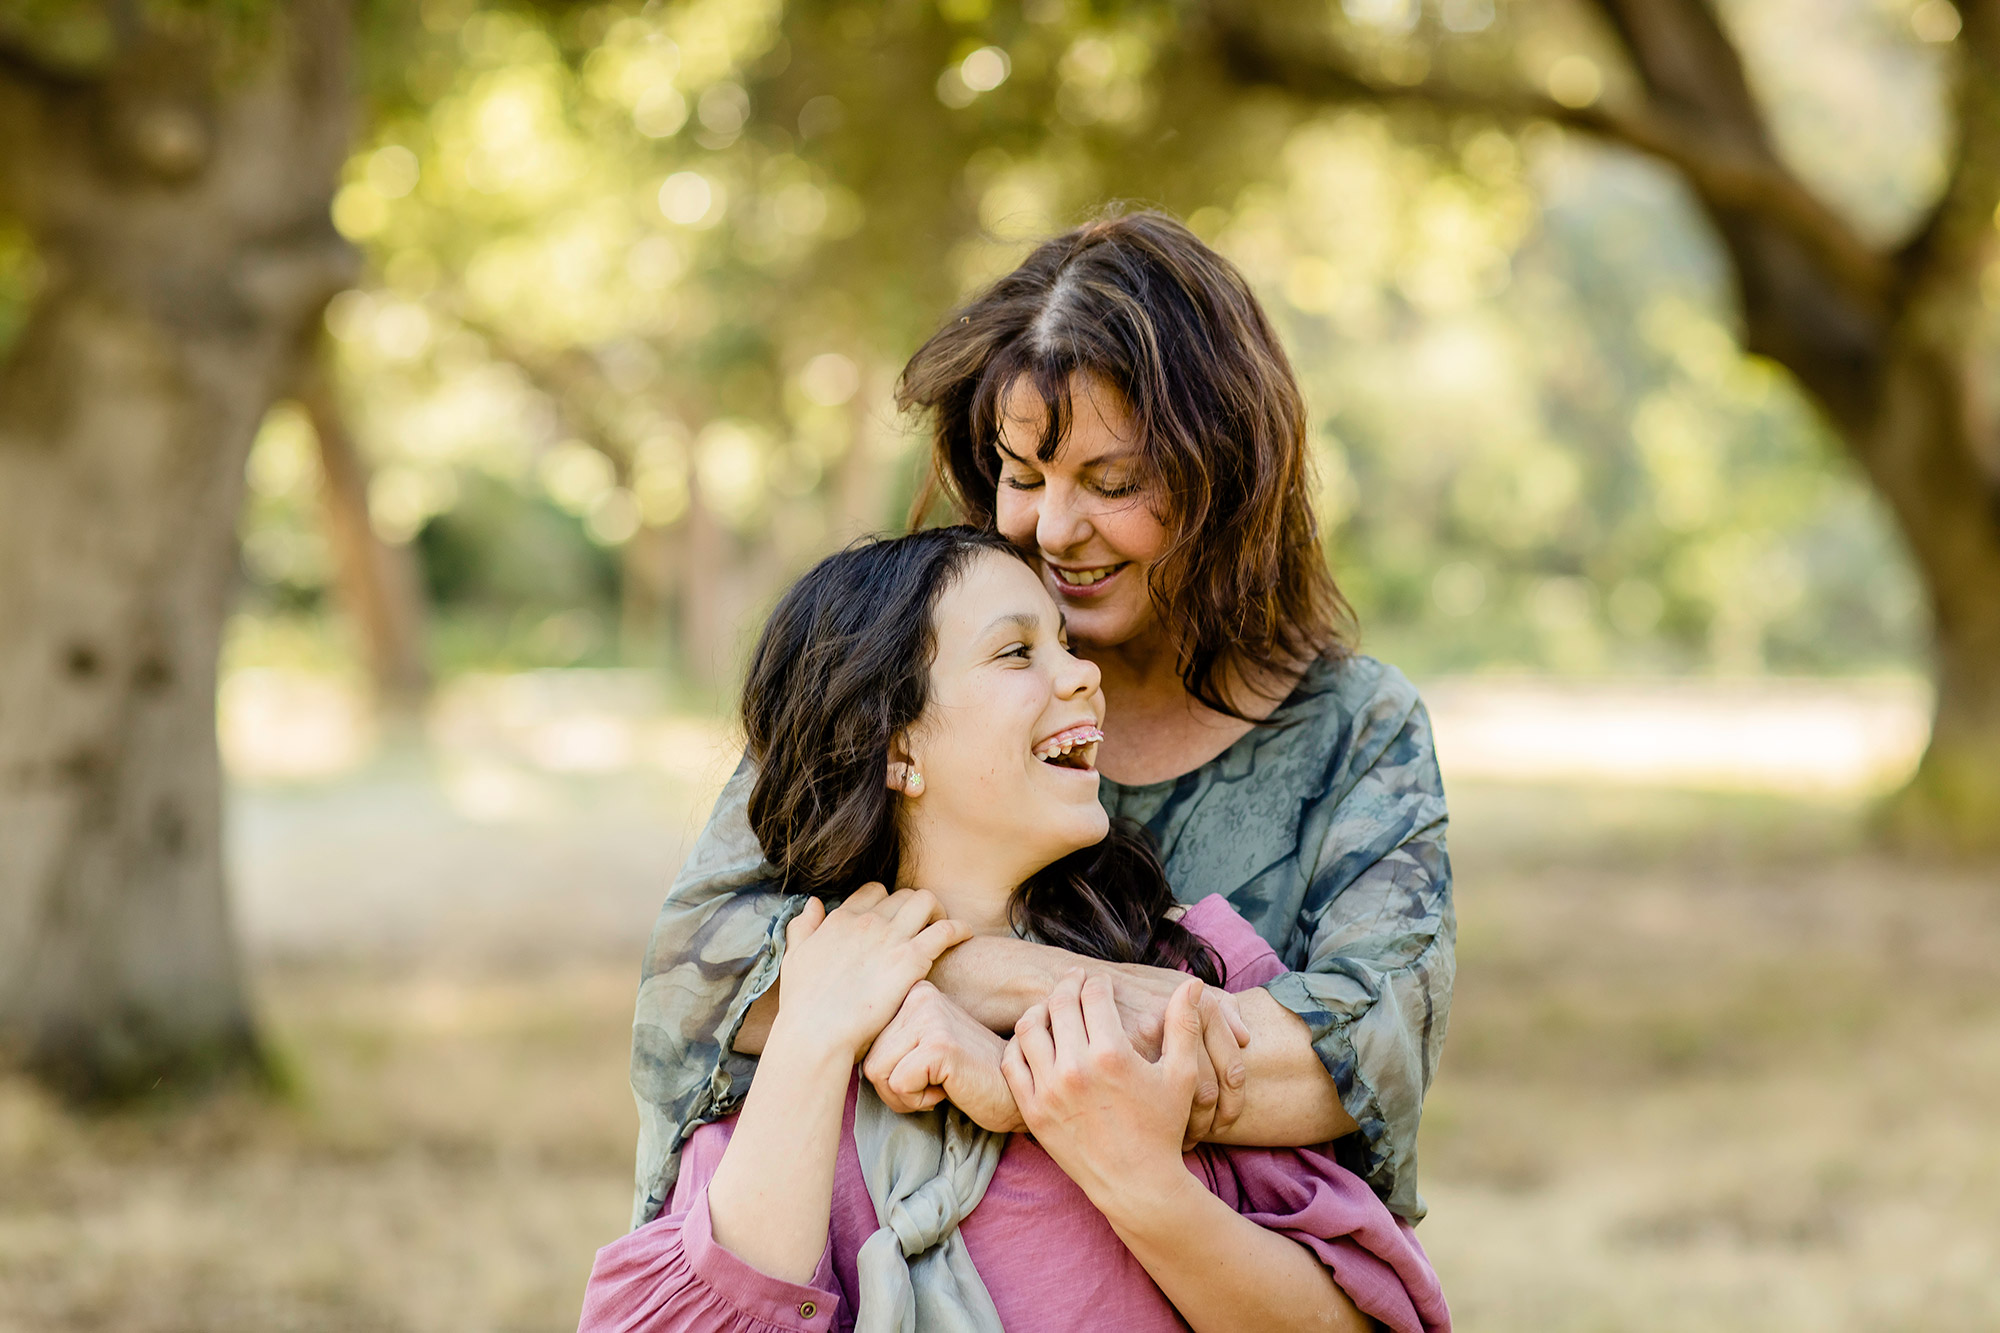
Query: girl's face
1088,512
1008,744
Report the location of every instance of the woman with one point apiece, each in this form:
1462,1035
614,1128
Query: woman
913,712
1119,407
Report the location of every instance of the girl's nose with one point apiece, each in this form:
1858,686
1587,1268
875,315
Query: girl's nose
1080,678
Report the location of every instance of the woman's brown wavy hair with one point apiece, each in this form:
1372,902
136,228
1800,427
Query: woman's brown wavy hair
1138,301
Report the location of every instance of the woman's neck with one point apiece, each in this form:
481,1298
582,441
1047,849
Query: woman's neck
1154,729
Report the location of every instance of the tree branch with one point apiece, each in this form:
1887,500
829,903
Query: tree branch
1728,170
24,67
1956,233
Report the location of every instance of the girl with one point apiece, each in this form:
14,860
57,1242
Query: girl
917,721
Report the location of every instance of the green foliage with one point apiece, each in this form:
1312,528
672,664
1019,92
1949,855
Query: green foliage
633,266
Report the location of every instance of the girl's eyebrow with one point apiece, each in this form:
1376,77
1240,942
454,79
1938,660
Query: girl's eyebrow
1026,622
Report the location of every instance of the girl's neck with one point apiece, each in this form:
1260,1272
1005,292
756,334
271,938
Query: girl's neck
963,893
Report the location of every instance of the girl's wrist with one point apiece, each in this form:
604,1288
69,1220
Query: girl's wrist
807,1049
1137,1202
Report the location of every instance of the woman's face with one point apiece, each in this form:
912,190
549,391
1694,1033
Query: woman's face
1008,743
1088,512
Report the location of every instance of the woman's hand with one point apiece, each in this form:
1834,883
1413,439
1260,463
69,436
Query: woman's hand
1111,1119
934,1051
1143,994
846,972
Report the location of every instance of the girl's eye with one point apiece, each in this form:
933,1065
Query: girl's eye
1020,650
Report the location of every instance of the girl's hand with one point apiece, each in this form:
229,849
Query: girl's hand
1112,1120
934,1051
845,972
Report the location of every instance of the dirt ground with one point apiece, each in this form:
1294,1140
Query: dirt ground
1712,1065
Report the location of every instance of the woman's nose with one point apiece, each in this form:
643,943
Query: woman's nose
1059,526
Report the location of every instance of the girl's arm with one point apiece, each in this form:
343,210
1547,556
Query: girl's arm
1113,1121
847,971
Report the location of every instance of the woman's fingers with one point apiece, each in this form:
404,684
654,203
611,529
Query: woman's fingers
1065,1005
916,1072
1233,1013
887,1051
1225,1058
1181,1039
1031,1037
1102,1026
1019,1073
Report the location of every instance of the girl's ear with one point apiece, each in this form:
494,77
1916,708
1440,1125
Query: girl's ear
904,775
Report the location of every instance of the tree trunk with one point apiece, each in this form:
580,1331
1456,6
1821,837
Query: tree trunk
182,217
377,582
1923,454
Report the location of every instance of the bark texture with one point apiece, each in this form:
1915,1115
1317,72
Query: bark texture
181,211
1887,341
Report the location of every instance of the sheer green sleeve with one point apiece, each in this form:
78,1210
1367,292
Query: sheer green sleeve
1377,929
714,950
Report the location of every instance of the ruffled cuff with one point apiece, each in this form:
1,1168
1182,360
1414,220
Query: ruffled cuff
1375,1150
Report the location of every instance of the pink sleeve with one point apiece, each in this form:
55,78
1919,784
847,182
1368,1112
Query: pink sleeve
671,1275
1247,961
1306,1195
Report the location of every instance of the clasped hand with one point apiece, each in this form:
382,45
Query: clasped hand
933,1050
1112,1119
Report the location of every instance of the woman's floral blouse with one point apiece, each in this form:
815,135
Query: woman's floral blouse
1326,831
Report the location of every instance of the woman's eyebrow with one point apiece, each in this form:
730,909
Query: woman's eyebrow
1101,460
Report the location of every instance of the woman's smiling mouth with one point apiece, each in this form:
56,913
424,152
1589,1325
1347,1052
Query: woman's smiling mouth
1083,582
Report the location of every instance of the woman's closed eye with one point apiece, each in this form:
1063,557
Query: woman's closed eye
1020,482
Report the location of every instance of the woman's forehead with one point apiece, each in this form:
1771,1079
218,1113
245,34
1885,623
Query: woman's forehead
1099,428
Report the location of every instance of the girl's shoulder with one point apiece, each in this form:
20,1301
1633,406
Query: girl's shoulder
1247,959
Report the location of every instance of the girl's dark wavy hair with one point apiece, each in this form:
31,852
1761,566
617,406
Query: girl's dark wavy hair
1140,302
844,667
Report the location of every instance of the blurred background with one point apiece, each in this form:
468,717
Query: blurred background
429,400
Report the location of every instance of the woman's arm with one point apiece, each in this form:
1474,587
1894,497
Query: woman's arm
1377,928
1112,1121
997,980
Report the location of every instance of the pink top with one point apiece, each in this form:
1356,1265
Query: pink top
1049,1259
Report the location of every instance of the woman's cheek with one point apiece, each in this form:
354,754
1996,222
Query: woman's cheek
1014,516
